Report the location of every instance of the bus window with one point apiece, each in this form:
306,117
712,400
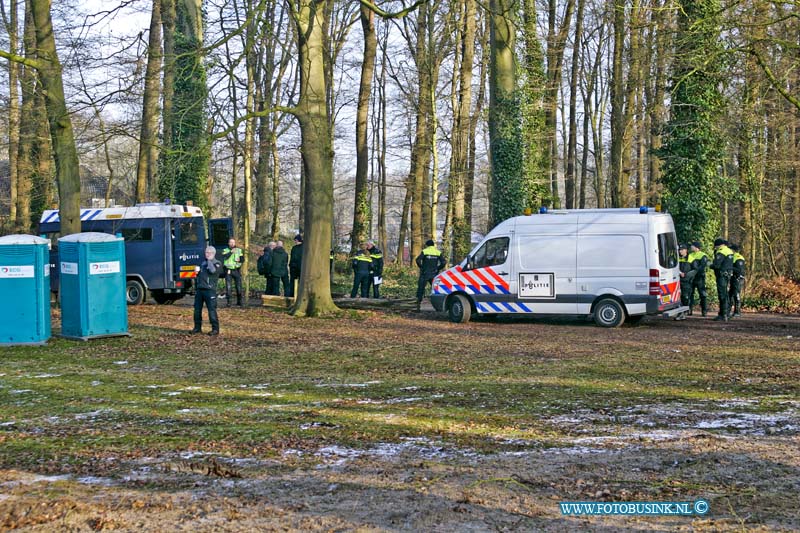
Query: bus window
190,232
137,234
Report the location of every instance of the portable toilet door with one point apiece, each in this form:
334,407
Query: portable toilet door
25,290
93,302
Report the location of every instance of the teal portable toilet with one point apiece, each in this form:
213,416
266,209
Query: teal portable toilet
92,286
25,290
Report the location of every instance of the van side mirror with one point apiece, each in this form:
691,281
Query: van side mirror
469,265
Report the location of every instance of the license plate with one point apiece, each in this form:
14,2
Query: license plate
666,299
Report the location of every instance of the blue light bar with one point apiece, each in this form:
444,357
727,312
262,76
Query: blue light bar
643,209
543,210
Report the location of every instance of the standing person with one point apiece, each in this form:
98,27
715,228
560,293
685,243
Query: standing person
206,291
362,272
723,270
232,258
699,261
430,263
266,266
279,270
377,268
687,273
737,280
295,263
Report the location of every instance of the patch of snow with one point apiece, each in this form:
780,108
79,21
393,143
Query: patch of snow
43,376
172,393
96,383
7,424
93,414
93,480
120,362
352,385
20,391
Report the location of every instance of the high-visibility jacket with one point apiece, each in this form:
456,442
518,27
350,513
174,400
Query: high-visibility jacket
738,265
723,260
377,260
362,263
699,261
232,258
430,262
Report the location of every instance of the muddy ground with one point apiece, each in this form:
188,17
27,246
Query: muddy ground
724,431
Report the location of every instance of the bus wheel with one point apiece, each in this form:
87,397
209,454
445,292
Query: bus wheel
134,292
460,310
608,313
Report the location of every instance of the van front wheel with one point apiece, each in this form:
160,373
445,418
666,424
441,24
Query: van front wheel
459,310
608,313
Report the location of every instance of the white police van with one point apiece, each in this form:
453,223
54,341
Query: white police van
611,264
163,243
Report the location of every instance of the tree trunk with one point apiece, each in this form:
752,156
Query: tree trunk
617,105
508,189
66,156
314,298
462,122
403,230
12,28
361,207
421,151
146,169
569,179
168,92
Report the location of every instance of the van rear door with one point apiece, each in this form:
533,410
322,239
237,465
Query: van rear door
188,245
220,230
669,274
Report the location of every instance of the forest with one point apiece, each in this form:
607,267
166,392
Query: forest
403,121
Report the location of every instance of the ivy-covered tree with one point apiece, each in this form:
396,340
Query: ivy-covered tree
693,146
509,192
186,155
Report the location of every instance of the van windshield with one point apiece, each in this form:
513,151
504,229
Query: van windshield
667,250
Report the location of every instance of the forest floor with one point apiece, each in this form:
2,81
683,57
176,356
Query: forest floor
376,421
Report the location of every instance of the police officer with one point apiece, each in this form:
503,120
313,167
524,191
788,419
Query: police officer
362,272
699,261
687,273
232,258
295,263
206,291
723,270
737,280
377,268
430,263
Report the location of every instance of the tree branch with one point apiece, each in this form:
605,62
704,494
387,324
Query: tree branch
773,80
28,62
385,14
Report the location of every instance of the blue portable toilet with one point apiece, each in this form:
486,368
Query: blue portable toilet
25,290
92,286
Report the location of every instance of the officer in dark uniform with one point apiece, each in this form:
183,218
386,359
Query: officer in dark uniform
377,267
295,263
362,272
723,270
206,291
687,273
699,261
737,280
430,263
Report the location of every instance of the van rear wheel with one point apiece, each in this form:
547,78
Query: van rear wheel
134,292
608,313
459,310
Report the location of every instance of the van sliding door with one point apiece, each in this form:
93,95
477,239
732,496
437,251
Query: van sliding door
546,272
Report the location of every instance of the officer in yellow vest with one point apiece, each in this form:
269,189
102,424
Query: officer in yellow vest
699,261
377,268
430,263
232,258
687,273
737,280
362,272
723,269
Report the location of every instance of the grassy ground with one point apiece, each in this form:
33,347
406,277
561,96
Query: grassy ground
389,422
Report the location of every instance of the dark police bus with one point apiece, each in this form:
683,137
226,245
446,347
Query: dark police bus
163,243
